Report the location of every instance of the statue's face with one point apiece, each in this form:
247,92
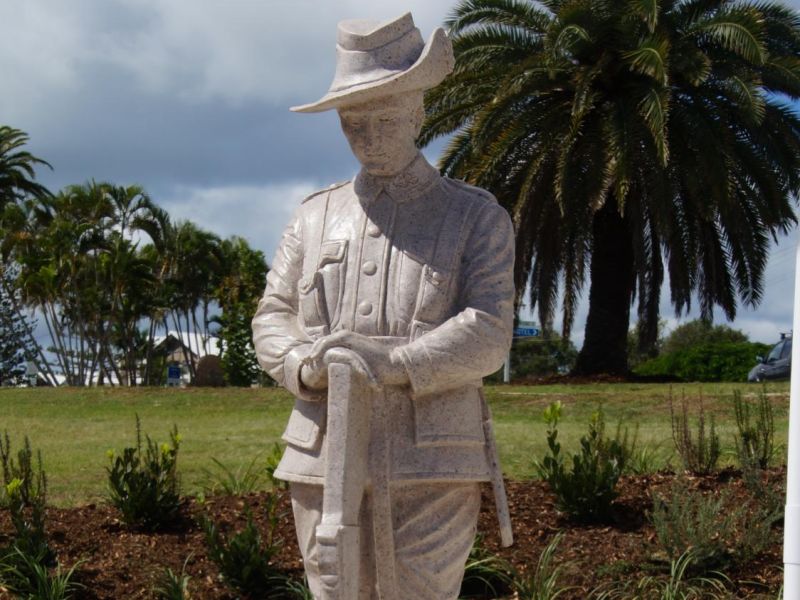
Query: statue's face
382,133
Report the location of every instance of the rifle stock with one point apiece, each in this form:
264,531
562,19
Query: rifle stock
345,476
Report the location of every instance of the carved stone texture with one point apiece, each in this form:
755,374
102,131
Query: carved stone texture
389,299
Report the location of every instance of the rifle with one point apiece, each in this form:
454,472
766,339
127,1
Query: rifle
349,408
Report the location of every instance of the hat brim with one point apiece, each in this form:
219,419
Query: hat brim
433,65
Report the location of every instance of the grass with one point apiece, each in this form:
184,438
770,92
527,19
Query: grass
74,427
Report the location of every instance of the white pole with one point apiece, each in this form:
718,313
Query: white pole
791,523
507,369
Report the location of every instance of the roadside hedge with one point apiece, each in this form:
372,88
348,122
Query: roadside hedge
711,361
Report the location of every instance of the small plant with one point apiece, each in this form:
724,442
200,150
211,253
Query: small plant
232,482
27,576
144,486
701,455
173,586
755,442
273,458
32,486
646,459
485,573
586,490
676,587
542,583
245,559
716,530
25,495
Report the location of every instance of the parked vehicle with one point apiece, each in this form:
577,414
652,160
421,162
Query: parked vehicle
777,364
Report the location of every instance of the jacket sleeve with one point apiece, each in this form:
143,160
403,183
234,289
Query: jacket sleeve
474,342
279,341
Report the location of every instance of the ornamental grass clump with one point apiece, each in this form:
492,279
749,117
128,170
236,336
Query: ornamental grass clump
485,574
755,436
143,483
585,487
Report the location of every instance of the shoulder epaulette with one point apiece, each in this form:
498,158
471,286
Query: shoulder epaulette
479,192
331,187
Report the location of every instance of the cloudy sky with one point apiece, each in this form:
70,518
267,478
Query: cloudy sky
191,100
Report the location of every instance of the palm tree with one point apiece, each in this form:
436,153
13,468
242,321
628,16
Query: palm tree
18,168
628,138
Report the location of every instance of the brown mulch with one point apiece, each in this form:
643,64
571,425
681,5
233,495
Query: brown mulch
123,563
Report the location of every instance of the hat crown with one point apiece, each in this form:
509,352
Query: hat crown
369,51
366,34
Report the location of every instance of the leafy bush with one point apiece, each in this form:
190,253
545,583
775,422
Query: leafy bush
708,361
586,490
144,487
755,442
245,559
209,372
698,456
716,530
485,574
699,331
538,357
32,486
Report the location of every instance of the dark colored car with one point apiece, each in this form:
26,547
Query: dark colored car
776,365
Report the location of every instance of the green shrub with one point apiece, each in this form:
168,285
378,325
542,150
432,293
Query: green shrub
539,357
245,559
700,455
709,361
144,487
755,442
716,530
585,489
485,574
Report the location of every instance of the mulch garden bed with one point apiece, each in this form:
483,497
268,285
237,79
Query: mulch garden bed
123,563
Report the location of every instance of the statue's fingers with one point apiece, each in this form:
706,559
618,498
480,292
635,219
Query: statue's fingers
358,364
321,346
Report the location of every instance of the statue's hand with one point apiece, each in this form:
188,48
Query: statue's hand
377,357
314,373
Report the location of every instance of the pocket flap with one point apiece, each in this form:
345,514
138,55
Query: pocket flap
451,417
304,429
332,251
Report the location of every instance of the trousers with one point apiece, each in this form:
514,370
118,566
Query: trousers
434,528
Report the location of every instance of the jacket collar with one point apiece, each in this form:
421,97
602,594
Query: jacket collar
407,185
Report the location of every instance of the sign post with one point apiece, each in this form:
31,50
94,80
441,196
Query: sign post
525,329
791,527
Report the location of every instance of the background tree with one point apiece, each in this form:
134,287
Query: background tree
16,345
18,168
699,332
626,138
241,284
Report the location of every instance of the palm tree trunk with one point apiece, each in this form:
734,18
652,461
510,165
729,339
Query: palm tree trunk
612,278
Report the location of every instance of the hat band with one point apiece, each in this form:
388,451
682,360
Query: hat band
355,67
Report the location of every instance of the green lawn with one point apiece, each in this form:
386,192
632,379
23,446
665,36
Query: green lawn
74,428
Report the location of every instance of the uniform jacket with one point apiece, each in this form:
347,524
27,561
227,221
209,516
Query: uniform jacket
424,262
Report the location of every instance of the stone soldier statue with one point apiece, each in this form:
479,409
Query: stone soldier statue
404,277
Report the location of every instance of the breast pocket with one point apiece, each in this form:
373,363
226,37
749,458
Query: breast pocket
434,301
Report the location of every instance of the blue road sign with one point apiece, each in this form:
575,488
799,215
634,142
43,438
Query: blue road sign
526,332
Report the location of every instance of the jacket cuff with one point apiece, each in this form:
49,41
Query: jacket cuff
419,369
292,365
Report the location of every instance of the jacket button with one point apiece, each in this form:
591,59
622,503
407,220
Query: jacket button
369,268
365,308
373,230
